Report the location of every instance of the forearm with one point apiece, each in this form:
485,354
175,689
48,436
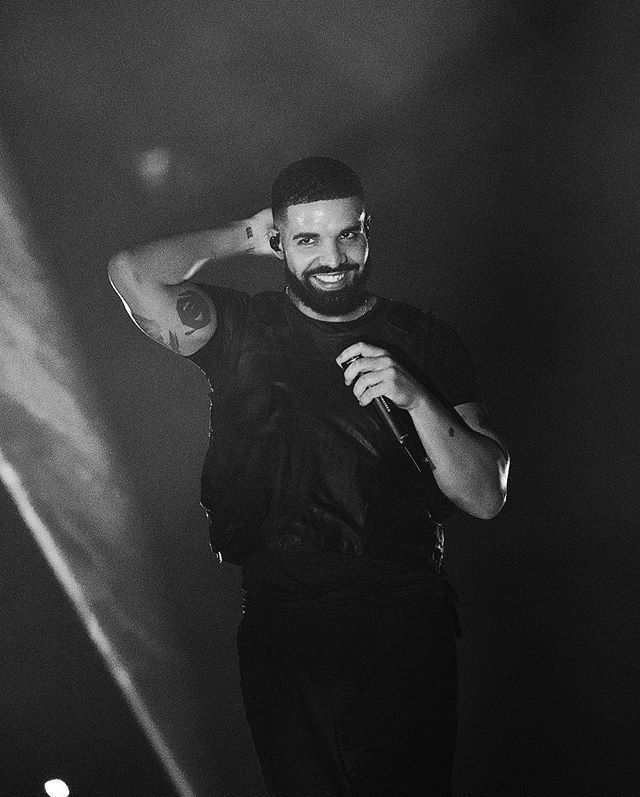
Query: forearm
173,260
470,468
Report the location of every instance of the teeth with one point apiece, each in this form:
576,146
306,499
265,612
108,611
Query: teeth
330,277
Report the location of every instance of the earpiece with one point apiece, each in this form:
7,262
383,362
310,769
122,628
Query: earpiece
274,242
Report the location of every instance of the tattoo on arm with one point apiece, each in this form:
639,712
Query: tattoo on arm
249,232
451,431
193,310
149,327
153,330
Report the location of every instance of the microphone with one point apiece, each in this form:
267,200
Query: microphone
393,417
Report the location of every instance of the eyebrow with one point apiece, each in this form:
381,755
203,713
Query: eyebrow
353,228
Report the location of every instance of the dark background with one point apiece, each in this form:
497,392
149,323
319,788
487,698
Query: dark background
499,146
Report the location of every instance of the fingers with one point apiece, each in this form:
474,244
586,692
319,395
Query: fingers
367,365
359,350
364,358
372,373
263,219
370,385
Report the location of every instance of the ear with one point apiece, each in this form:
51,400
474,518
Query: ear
367,224
274,242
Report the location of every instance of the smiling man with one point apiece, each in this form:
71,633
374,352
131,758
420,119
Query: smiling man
345,428
326,255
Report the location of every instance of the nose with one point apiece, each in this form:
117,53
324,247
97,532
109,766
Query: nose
332,255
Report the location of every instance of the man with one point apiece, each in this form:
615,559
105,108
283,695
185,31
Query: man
347,648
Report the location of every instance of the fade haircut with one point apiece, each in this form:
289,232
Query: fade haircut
311,180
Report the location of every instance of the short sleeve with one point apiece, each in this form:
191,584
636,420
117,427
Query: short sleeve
448,362
219,355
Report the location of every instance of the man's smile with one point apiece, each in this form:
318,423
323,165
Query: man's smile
334,279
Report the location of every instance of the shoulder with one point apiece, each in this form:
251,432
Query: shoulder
236,307
403,316
232,305
232,308
223,295
269,308
438,349
421,323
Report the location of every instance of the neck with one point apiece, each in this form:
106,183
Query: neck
367,304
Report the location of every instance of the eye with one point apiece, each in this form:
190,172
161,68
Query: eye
348,235
305,241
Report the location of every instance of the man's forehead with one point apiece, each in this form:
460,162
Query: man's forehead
343,212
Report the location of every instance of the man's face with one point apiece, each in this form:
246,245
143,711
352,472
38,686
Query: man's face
325,250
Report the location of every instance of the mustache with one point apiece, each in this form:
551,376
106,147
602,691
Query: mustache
329,270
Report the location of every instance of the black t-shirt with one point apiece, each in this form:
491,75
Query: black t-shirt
304,488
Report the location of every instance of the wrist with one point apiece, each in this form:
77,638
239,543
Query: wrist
234,239
420,403
254,233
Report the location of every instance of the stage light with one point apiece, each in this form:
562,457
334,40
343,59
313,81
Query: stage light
153,167
56,788
59,465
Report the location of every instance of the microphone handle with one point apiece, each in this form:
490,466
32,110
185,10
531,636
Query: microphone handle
393,419
395,422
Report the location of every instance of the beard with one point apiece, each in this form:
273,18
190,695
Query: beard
329,302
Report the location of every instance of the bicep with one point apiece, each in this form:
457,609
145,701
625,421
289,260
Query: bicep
180,317
476,416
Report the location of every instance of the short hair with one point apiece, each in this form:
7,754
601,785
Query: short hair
311,180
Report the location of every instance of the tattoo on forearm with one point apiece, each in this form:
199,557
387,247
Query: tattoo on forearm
249,232
149,327
193,310
451,431
173,341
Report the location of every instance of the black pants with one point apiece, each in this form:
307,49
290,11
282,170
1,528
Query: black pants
352,702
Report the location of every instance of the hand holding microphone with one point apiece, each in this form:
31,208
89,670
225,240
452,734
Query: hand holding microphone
377,379
386,409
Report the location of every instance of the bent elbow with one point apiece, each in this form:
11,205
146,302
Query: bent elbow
496,497
119,267
489,499
483,505
492,507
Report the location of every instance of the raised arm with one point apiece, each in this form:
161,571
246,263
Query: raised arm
154,280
